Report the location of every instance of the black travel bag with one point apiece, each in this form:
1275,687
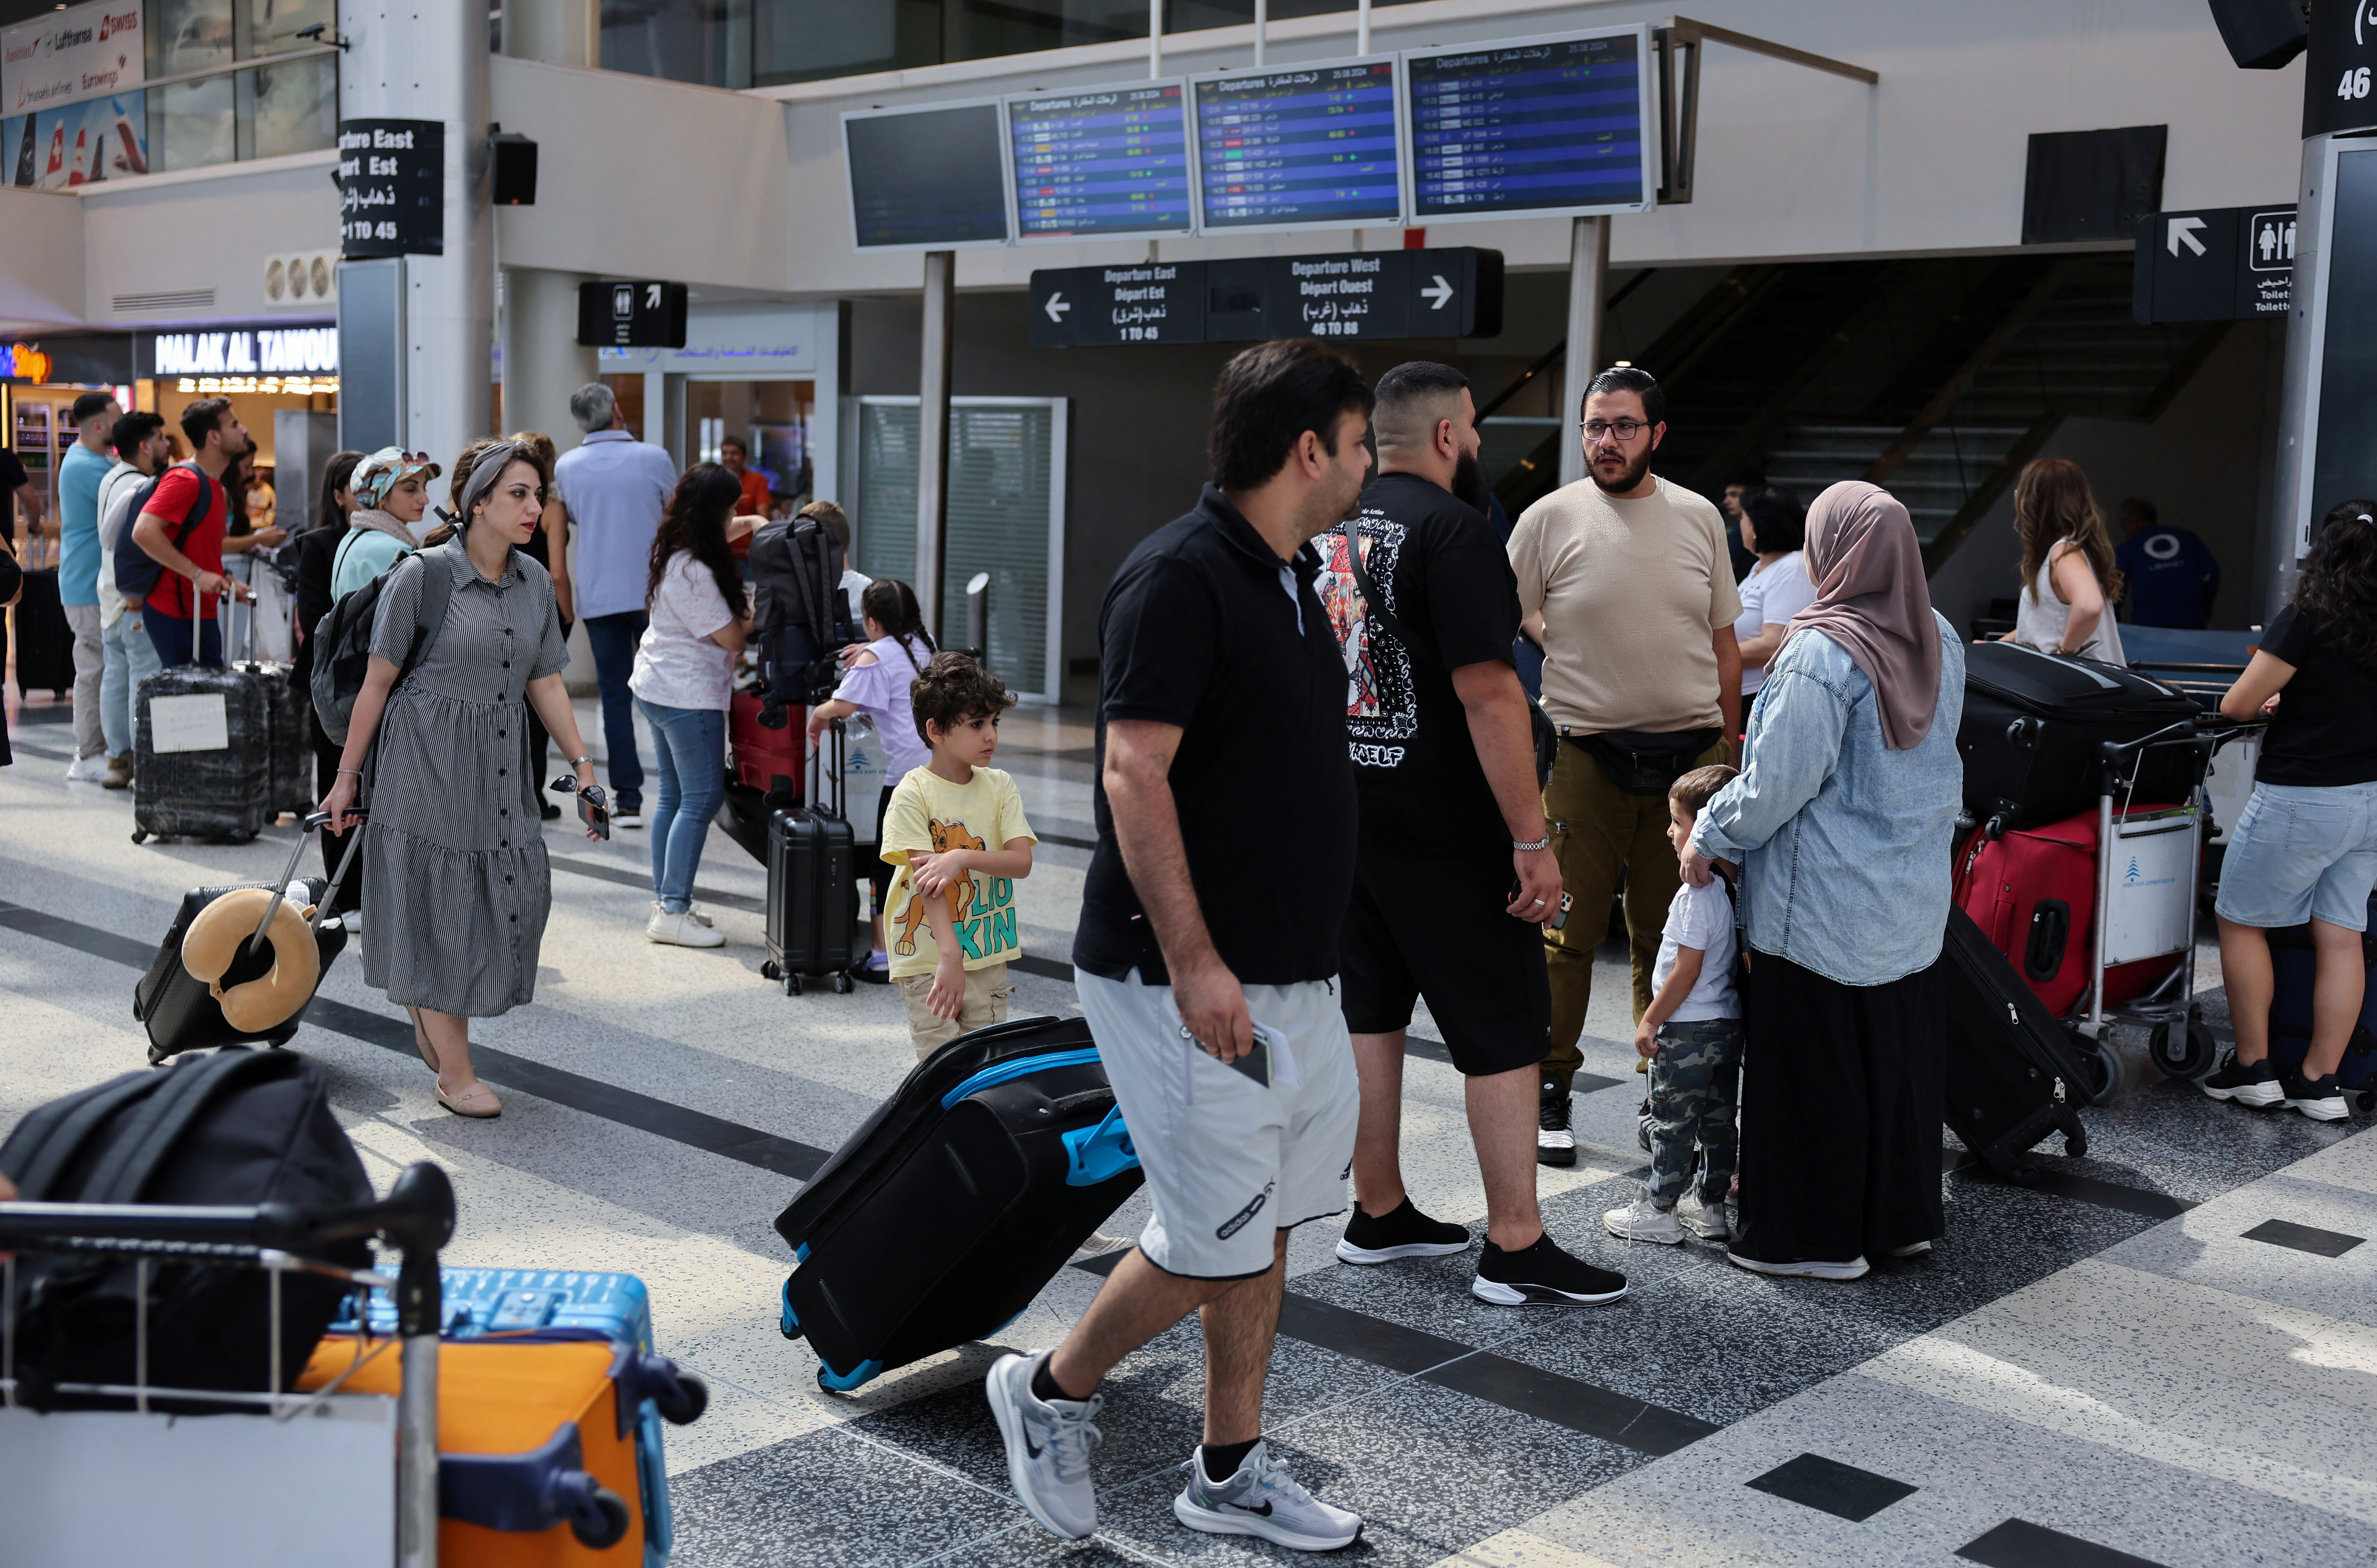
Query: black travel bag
2033,722
958,1200
288,715
800,616
2013,1074
813,886
183,1012
236,1128
44,640
192,789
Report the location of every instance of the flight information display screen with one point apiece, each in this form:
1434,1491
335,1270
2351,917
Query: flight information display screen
1311,146
1543,125
1110,161
927,179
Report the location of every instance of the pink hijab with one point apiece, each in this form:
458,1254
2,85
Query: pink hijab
1871,599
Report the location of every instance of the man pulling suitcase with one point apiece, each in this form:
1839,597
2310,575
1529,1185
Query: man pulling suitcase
1208,979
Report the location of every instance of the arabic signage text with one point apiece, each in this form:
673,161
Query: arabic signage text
1452,293
67,55
391,187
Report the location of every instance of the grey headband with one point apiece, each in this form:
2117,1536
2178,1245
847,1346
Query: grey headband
488,468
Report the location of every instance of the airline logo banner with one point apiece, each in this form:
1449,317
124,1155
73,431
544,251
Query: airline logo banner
78,144
66,56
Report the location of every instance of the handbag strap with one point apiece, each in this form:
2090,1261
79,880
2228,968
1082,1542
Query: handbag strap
1375,607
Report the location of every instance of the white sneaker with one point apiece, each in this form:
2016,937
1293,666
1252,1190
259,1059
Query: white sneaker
1049,1445
1262,1499
87,770
681,930
1854,1269
1706,1221
1642,1220
694,911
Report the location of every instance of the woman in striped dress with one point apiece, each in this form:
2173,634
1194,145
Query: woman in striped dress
457,887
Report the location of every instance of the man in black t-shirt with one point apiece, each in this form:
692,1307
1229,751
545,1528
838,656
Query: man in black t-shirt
1206,955
1452,824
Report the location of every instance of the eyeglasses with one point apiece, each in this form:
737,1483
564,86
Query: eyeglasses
568,785
1614,429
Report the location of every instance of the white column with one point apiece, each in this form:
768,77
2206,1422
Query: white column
542,361
1262,30
427,60
933,437
1588,279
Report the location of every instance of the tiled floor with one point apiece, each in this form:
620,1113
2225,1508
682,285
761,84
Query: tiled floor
2166,1353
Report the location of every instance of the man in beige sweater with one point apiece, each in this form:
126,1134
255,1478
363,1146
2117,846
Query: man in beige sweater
1626,584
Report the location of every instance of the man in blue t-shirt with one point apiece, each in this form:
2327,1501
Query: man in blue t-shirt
2172,575
79,472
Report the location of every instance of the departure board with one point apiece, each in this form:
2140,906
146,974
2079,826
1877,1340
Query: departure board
1307,148
1110,161
925,179
1541,125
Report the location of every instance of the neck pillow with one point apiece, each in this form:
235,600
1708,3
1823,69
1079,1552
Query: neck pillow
213,944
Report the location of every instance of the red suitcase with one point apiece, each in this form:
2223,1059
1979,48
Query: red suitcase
768,760
2032,893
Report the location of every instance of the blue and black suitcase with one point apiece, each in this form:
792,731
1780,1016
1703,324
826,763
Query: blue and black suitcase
2294,967
962,1196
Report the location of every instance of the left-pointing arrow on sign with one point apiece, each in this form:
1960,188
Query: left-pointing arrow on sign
1439,296
1056,306
2183,232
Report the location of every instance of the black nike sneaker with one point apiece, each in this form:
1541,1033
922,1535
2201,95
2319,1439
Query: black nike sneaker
2253,1084
1402,1232
1543,1275
1555,1144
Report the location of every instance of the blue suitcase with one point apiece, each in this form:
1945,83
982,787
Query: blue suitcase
478,1302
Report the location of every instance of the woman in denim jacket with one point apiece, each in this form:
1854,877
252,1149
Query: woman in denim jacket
1849,787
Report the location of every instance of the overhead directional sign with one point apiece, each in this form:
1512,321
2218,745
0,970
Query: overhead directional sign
2216,264
639,315
1452,293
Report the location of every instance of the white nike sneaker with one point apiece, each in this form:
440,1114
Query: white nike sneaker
1048,1447
1262,1499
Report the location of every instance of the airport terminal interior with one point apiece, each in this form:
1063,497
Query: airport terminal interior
969,271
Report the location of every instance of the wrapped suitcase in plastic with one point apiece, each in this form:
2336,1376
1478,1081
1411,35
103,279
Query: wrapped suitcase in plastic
202,744
958,1200
246,981
2012,1075
2032,726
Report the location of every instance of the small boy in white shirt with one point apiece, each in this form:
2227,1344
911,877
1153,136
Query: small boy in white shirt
1691,1036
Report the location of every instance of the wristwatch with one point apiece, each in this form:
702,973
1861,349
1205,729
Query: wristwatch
1543,842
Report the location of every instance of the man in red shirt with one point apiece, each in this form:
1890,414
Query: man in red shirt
182,529
757,495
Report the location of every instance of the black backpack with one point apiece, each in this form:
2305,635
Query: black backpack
136,571
237,1127
341,640
800,616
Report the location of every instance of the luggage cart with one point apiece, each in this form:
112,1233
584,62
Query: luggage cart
2149,864
280,1477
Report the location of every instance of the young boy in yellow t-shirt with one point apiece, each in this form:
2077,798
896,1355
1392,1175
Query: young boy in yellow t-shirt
956,829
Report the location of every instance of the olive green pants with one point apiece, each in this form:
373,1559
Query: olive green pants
1604,836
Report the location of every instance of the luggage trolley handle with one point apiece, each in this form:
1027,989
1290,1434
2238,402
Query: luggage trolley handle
2112,754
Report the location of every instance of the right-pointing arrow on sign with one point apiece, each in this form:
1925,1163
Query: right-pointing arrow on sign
2183,232
1056,306
1439,296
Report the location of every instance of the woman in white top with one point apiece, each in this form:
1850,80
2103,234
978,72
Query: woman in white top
699,617
2068,577
1777,587
878,683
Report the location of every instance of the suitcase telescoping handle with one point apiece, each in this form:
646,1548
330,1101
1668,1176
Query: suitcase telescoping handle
329,894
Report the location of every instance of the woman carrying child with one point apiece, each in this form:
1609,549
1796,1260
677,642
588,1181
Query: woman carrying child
880,683
1840,821
2306,847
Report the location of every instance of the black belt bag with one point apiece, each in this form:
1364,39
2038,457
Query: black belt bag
1640,763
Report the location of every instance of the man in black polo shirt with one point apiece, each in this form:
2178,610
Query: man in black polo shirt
1206,955
1453,823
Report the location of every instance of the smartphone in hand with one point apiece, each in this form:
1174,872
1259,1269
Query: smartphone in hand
594,817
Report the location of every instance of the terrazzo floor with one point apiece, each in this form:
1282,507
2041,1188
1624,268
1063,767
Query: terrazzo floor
2130,1363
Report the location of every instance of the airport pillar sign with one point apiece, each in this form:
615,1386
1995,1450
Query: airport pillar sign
2340,61
1452,293
2215,264
391,189
641,314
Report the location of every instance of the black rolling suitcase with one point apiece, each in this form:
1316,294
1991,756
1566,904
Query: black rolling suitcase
184,1014
2031,724
958,1200
44,640
288,714
202,753
813,888
2013,1074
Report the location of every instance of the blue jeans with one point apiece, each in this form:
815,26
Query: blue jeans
130,658
613,640
170,635
689,748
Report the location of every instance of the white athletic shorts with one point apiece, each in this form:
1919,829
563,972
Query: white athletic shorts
1228,1161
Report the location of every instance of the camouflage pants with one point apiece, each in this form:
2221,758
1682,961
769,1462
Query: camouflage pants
1695,1088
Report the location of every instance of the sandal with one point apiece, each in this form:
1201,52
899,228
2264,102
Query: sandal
477,1102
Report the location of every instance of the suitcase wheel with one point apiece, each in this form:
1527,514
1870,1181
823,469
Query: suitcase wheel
843,984
792,984
684,1407
2075,1146
601,1520
140,835
768,970
2182,1051
2104,1072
